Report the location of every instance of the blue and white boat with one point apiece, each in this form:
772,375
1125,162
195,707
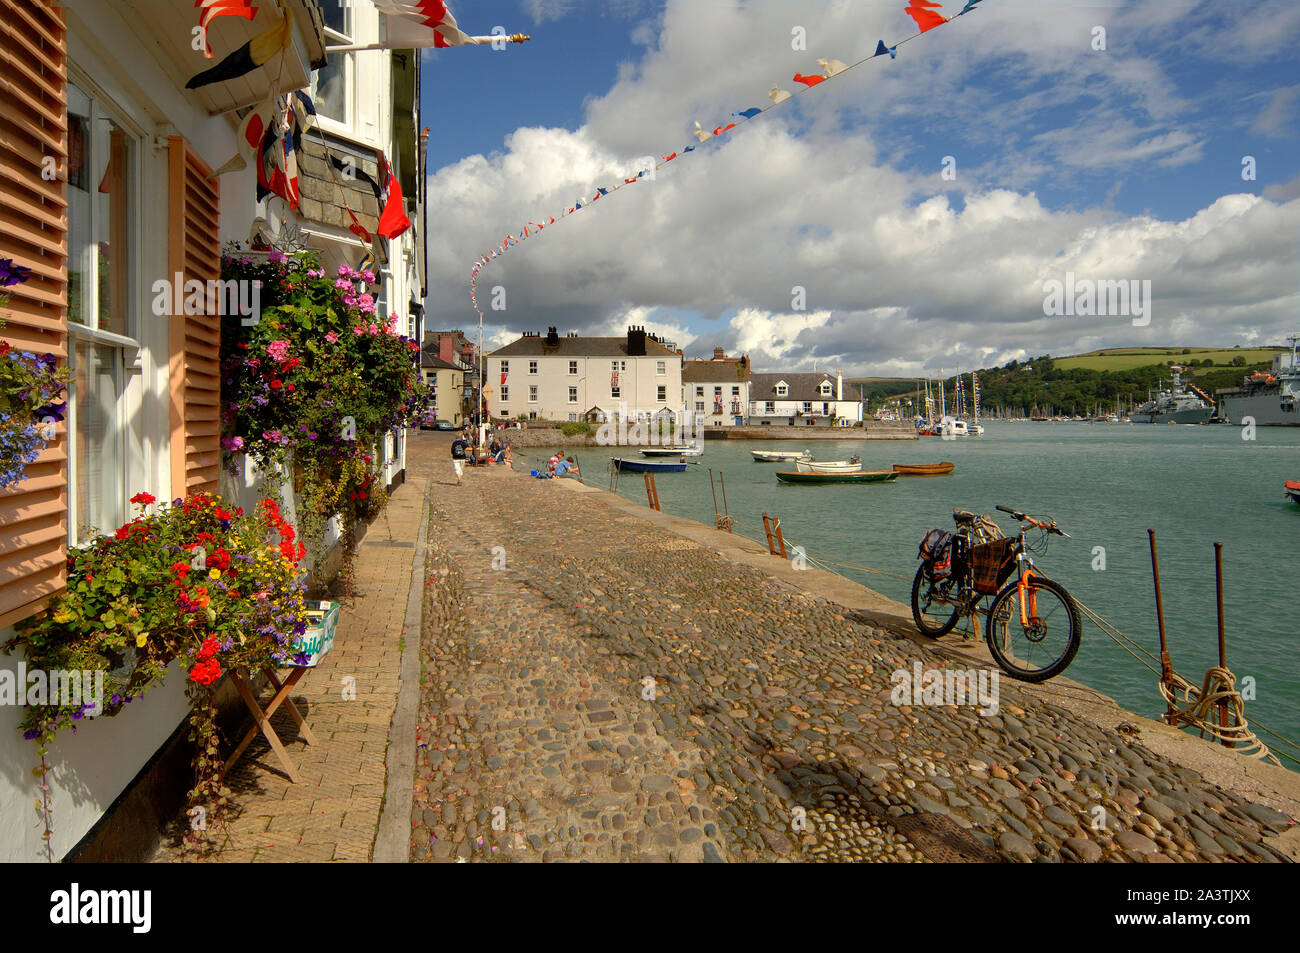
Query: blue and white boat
649,466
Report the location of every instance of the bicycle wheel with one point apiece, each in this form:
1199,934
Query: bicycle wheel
934,609
1043,647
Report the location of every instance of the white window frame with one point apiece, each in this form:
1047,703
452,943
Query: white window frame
532,367
505,367
505,393
661,394
334,38
782,389
661,368
532,393
127,347
573,395
573,368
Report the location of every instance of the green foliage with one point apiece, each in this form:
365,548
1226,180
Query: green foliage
572,429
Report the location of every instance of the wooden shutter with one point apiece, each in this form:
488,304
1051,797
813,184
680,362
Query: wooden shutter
195,376
33,232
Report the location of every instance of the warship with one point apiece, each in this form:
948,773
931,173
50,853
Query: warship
1180,404
1270,399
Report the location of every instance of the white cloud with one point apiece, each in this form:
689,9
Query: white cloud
902,271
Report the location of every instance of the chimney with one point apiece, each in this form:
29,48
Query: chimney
839,385
719,354
552,337
636,341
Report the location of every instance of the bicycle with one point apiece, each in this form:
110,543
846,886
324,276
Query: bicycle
1033,629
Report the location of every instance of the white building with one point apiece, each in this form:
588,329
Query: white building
717,390
574,378
802,400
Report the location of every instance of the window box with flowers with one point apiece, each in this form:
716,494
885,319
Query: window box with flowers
190,582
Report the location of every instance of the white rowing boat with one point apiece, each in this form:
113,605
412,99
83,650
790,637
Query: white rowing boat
780,456
686,450
829,466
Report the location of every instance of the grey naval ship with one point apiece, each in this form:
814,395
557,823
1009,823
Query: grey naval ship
1181,404
1271,399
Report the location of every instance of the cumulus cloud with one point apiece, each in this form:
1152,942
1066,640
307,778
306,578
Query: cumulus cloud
807,236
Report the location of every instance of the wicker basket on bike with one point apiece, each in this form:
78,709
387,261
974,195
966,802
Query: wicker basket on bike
991,564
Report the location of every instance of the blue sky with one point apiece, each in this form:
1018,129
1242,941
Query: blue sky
1126,161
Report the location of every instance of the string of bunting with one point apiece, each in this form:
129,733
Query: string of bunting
922,11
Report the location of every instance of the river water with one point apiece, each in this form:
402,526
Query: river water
1105,484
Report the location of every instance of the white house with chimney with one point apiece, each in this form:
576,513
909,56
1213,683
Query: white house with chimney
717,389
572,378
802,400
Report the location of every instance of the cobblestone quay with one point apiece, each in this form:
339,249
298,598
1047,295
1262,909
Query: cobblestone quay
593,688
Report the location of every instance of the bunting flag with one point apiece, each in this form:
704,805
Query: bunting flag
252,130
922,11
221,8
277,166
256,52
416,24
393,220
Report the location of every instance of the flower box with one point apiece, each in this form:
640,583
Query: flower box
322,621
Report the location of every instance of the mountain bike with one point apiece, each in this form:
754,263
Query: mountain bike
1033,629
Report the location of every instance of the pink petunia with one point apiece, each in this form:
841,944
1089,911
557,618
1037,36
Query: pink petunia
331,337
359,330
343,284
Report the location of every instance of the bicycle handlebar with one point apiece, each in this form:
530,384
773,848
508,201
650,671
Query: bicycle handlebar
1047,525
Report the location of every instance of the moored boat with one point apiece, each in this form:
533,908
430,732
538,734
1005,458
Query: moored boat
848,476
780,456
682,451
924,469
1293,490
648,466
851,465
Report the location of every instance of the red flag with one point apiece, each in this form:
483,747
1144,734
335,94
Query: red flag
357,229
221,8
925,18
393,220
809,80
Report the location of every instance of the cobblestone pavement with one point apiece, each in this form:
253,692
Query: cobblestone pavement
605,692
332,812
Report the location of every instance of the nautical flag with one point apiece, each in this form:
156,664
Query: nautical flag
221,8
881,50
925,18
778,95
277,167
808,80
356,228
248,140
412,24
721,129
256,52
749,113
832,67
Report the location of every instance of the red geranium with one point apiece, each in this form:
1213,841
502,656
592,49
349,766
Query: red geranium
205,672
143,498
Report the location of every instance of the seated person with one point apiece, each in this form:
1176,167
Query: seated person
566,465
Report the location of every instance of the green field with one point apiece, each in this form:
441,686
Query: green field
1127,358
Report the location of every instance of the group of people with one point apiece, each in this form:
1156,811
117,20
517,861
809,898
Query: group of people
466,447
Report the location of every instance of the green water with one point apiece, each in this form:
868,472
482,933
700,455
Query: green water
1105,484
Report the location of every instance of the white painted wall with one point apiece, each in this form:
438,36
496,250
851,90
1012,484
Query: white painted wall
638,385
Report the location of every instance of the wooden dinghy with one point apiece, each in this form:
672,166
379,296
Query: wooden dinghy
848,476
780,456
924,469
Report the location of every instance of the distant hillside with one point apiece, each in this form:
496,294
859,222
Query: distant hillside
1081,383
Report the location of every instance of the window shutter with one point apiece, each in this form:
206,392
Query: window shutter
33,232
195,373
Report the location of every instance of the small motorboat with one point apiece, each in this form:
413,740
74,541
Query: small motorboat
1293,490
649,466
780,456
844,476
682,451
851,465
924,469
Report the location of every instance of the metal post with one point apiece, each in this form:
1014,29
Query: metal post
1223,645
1166,666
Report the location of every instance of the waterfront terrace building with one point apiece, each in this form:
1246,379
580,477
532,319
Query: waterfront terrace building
717,389
105,180
799,400
574,378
